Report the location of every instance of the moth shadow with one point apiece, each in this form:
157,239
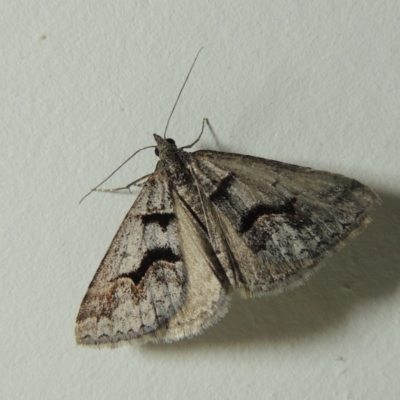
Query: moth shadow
366,269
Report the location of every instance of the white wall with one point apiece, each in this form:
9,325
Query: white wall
313,83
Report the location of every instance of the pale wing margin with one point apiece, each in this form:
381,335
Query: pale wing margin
141,282
277,221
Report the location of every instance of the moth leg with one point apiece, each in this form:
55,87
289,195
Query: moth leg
134,183
205,121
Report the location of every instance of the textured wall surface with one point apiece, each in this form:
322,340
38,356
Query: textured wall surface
85,84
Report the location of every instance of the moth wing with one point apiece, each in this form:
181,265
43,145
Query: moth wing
272,223
141,283
206,298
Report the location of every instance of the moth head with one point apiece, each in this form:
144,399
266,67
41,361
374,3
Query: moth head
163,144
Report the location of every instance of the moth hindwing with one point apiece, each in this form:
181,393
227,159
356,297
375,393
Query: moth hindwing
206,223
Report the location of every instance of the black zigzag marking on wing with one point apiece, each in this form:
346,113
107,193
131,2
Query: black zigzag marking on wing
150,258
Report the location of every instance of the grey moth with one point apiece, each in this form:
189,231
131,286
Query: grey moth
206,223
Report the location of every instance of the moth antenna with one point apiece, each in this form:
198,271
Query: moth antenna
117,169
180,92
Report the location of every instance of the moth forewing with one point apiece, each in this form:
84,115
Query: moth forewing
141,281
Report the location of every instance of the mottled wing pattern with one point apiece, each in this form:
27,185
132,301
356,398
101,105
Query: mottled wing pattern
271,223
157,280
141,282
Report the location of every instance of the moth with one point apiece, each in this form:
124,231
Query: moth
205,224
